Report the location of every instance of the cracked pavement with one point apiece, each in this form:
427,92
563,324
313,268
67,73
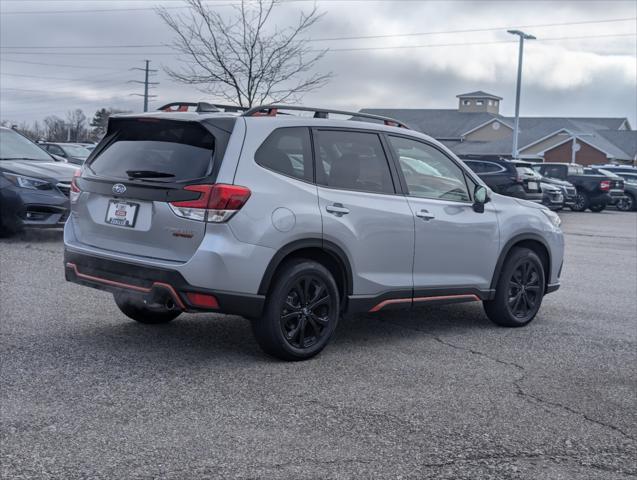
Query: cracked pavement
438,392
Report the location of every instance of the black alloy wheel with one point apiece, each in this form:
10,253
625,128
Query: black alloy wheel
626,204
519,290
301,311
524,288
580,202
305,314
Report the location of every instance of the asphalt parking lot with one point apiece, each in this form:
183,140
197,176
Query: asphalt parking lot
438,393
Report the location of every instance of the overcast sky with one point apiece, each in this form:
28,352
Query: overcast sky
580,69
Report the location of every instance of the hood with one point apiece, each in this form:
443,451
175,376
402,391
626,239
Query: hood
59,172
556,181
550,187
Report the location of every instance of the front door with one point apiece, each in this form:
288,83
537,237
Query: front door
362,213
456,248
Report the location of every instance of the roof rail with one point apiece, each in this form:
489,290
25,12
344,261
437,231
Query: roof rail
201,107
273,111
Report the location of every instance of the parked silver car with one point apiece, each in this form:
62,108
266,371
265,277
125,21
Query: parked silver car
294,221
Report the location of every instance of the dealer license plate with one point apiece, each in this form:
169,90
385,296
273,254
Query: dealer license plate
532,186
121,213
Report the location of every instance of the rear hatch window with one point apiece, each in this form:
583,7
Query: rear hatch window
161,150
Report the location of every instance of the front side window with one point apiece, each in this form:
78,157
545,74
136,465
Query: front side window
429,173
352,161
287,151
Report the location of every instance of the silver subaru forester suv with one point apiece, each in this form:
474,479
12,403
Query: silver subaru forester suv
296,220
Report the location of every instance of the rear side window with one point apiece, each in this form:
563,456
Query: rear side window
352,161
287,151
163,150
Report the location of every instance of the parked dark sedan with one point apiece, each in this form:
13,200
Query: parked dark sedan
503,177
34,188
71,152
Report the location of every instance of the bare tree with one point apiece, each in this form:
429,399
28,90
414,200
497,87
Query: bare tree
239,58
76,121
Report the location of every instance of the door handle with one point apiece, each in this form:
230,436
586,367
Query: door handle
337,209
425,215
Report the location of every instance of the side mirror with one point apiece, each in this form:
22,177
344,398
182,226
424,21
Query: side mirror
480,197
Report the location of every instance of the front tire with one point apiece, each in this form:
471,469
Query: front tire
581,202
135,308
519,290
301,312
627,204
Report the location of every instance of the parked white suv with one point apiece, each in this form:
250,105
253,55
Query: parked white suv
294,221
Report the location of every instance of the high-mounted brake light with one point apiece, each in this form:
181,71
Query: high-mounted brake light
604,185
75,191
216,203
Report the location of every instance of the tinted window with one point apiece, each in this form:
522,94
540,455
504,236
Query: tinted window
55,150
287,151
352,161
553,171
13,145
477,167
179,150
429,172
490,167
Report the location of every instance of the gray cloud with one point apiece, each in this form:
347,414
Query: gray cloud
575,77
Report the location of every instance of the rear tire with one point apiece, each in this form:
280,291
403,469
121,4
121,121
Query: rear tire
597,207
301,312
581,202
135,308
519,291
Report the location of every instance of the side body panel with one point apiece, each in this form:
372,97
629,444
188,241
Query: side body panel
457,247
377,235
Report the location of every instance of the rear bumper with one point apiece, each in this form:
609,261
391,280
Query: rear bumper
153,284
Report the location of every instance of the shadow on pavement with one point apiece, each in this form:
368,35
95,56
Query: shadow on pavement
222,338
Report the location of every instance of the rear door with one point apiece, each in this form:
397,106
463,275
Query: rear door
361,211
140,166
456,248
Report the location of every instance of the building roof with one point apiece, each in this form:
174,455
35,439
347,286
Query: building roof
624,140
450,125
438,123
478,94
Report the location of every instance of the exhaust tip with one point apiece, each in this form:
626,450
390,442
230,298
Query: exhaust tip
170,304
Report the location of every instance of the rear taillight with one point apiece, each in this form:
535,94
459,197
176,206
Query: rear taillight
75,191
604,185
216,203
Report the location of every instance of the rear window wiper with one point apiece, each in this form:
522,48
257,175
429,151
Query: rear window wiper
148,174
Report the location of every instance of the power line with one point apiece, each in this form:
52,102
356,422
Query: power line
58,65
106,10
355,37
86,79
352,49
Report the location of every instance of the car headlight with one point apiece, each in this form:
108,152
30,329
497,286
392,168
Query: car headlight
553,217
27,182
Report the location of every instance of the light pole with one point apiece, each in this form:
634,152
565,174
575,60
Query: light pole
523,36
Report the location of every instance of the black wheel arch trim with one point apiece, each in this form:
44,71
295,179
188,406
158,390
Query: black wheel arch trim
325,245
507,249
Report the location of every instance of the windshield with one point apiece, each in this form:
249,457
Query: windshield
14,146
76,151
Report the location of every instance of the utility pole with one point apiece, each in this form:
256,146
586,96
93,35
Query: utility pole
523,36
147,72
